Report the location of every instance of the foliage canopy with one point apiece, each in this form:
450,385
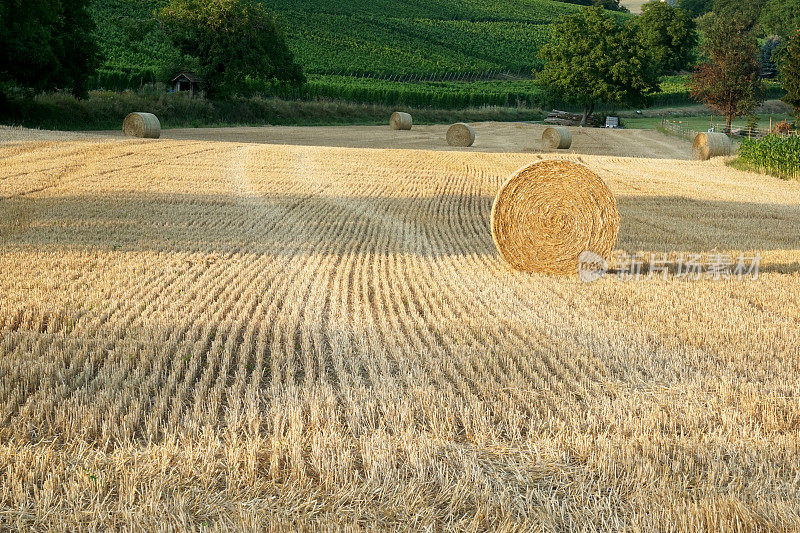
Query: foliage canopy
47,44
594,57
696,8
780,17
668,34
790,74
232,41
729,81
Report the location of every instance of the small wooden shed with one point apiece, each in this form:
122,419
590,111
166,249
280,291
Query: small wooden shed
186,82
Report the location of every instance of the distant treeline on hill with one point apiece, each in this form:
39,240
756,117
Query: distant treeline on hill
433,94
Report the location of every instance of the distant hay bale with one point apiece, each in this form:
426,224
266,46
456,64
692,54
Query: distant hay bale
549,213
460,134
144,125
557,137
400,121
710,144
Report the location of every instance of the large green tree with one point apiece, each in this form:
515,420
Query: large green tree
746,13
611,5
790,73
696,8
232,41
728,81
780,17
668,34
76,46
594,57
46,44
769,54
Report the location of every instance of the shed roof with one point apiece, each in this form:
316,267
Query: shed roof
190,76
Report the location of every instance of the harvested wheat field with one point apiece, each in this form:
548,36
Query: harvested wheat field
248,336
490,137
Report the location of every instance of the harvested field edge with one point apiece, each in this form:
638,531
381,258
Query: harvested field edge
223,334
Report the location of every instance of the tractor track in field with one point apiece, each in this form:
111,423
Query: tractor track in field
341,315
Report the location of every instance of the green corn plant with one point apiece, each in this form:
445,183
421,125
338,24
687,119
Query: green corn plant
775,154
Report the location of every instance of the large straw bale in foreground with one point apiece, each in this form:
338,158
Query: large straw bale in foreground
709,144
547,214
144,125
557,137
400,121
460,134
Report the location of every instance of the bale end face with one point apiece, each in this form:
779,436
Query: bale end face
548,214
400,121
460,134
557,137
143,125
706,145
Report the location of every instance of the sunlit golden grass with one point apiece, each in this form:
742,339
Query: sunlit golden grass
286,337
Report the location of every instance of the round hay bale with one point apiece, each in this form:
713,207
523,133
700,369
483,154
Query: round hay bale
557,137
548,214
400,121
460,134
710,144
144,125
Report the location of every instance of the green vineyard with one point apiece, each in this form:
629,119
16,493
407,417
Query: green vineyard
446,54
450,94
329,44
439,94
382,39
471,10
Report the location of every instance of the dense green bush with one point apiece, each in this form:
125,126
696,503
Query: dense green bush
230,41
452,95
775,154
104,110
46,44
445,95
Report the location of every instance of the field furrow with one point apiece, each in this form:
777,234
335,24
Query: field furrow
236,333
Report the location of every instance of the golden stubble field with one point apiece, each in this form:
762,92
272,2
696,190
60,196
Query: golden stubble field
233,335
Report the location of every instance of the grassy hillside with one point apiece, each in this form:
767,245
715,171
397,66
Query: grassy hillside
382,38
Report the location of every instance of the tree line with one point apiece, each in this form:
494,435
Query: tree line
596,57
49,44
592,56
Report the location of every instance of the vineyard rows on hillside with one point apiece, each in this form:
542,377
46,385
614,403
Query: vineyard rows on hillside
373,53
418,38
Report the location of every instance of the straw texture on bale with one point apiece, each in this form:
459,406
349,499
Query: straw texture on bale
144,125
460,134
547,214
557,137
400,121
709,144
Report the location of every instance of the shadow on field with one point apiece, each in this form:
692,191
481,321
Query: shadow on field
680,224
440,225
514,137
